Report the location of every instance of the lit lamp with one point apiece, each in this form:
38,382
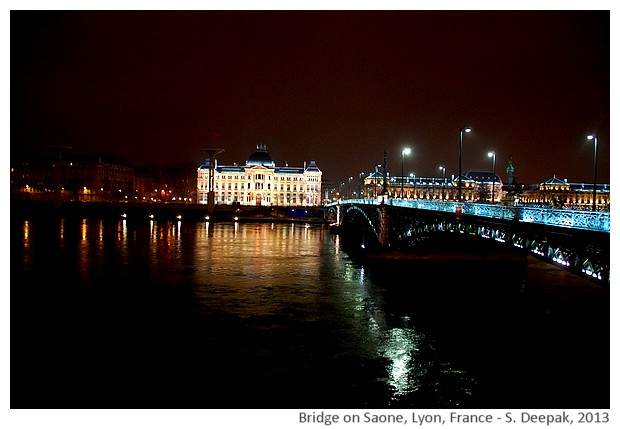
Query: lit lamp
376,179
443,179
349,193
406,151
593,137
465,129
492,154
360,183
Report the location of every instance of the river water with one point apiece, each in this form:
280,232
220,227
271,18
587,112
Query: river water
115,314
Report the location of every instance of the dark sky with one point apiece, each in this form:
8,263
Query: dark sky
338,87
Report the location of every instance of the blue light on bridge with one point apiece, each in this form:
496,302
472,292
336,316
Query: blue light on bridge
503,224
576,219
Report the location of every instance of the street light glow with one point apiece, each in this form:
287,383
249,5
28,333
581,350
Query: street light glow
593,137
467,129
406,151
492,155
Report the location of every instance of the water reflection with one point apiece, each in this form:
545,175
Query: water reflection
400,347
277,305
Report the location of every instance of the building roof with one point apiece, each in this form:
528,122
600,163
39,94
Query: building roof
260,157
482,176
554,181
312,167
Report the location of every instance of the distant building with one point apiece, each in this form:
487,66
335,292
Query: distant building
477,186
82,177
562,193
92,177
260,182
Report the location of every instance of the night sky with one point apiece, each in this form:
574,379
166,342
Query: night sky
337,87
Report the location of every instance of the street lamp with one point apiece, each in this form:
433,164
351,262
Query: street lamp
443,180
349,193
406,151
593,137
360,183
466,129
492,154
377,166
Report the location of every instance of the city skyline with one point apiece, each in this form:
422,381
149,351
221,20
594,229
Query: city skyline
337,87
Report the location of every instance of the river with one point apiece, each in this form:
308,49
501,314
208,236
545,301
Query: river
115,314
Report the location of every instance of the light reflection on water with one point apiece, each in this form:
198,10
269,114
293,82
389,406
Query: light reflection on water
235,315
291,309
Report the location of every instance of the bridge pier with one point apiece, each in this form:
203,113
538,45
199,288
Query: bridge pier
383,227
576,241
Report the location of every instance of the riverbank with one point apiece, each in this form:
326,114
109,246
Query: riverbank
167,211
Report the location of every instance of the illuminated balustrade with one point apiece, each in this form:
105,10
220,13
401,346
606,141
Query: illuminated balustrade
578,219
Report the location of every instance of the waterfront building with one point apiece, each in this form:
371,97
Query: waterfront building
82,177
557,192
260,182
92,177
477,186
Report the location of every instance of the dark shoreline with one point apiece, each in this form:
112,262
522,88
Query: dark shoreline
167,212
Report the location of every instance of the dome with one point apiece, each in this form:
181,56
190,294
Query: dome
260,157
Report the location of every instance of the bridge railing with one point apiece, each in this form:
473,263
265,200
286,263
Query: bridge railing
579,219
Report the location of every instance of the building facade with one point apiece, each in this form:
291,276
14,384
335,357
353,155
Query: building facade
80,177
476,186
260,182
562,193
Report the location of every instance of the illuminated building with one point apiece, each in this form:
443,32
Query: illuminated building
261,183
476,187
562,193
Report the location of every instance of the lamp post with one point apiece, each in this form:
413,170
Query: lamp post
492,154
466,129
593,137
360,184
406,151
443,180
211,183
376,179
349,192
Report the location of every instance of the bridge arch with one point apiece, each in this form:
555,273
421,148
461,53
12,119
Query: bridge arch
359,225
581,250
